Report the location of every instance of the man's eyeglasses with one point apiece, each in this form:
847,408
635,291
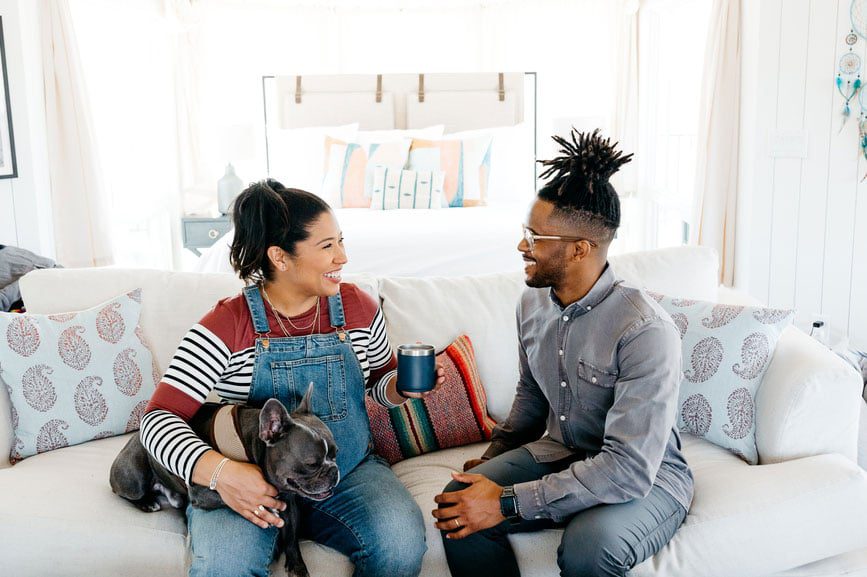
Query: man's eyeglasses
531,238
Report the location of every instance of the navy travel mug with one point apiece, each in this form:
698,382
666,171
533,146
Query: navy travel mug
416,368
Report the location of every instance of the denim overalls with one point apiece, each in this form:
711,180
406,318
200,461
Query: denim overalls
285,366
371,518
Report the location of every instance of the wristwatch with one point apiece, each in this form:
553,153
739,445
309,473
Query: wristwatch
509,505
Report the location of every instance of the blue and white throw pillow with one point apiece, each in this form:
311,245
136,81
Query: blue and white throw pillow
406,188
726,351
77,376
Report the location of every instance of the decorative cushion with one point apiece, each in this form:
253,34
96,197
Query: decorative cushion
77,376
406,188
726,351
453,416
349,168
466,163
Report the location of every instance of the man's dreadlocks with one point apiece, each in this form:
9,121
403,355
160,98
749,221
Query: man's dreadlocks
579,186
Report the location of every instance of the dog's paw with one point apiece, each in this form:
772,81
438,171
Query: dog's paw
149,505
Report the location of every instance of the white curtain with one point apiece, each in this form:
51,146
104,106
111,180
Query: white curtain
625,124
717,151
81,228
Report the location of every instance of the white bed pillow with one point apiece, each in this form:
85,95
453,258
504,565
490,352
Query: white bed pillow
512,177
370,136
297,156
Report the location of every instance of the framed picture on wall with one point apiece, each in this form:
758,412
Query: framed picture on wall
8,166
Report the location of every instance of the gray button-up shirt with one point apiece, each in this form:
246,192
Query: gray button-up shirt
602,376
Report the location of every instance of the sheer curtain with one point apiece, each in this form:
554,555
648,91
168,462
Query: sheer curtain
81,226
717,163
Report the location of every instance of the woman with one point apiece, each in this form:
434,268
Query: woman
294,324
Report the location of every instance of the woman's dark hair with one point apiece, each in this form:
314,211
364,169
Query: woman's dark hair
268,214
579,186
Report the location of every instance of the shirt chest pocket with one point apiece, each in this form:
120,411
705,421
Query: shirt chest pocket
594,387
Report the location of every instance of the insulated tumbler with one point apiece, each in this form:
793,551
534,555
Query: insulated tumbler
416,368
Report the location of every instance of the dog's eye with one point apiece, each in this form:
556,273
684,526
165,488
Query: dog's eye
311,463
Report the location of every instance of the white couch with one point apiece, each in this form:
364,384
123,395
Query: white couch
801,512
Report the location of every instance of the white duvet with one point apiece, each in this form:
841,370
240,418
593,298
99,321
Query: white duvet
445,242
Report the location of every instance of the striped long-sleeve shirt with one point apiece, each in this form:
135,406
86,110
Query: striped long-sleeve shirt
217,354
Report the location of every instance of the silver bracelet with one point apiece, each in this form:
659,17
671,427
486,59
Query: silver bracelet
213,484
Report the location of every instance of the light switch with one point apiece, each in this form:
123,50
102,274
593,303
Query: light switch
788,143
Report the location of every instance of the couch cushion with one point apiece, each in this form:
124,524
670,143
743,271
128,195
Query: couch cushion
438,310
77,376
172,302
726,351
61,502
689,272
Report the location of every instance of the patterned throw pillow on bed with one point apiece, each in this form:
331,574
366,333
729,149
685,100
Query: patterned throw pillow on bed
394,188
466,163
453,416
73,377
349,168
726,351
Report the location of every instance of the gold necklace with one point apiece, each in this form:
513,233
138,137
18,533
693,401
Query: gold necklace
277,315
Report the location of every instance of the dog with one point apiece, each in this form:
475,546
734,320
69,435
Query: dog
296,453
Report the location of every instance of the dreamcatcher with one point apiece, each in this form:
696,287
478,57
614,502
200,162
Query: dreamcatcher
849,71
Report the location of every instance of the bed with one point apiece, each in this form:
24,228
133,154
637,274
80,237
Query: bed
430,175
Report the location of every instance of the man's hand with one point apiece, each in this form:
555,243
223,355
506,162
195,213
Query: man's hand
473,509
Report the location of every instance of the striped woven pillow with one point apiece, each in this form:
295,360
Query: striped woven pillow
455,415
394,188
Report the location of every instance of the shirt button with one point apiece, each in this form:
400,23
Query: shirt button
592,379
561,352
563,384
562,417
565,317
589,307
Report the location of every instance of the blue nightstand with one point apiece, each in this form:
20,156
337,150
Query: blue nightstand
202,232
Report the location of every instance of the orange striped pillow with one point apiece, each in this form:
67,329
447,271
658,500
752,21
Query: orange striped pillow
455,415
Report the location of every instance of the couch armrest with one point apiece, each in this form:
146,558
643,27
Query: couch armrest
808,402
760,520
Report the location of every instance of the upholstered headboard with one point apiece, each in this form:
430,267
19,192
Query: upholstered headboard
400,101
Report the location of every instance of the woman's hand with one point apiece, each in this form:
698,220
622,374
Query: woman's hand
441,378
245,491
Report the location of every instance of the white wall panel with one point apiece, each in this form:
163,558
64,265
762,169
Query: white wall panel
808,232
819,102
761,189
843,163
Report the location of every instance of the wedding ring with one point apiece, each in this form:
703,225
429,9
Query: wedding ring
256,512
262,508
457,525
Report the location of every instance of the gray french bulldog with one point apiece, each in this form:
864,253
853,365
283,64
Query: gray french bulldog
296,453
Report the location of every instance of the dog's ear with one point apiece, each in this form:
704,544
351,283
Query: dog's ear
274,420
306,403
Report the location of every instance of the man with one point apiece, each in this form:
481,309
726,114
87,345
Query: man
600,367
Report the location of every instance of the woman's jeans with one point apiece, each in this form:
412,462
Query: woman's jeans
605,540
371,518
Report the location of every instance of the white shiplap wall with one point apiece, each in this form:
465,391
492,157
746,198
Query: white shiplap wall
807,235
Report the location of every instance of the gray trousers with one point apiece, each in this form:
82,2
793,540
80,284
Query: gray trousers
604,540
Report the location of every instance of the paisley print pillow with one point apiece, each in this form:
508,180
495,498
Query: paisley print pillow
74,377
726,351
